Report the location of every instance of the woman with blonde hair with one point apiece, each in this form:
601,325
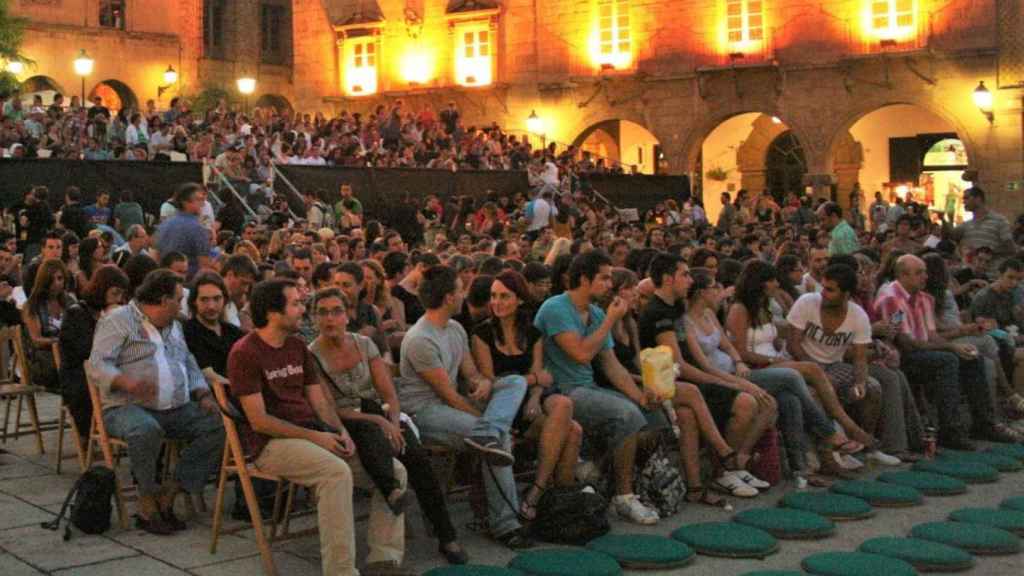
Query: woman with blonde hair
249,249
559,247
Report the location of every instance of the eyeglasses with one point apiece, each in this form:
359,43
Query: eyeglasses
332,312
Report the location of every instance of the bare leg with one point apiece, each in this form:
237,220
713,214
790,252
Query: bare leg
554,433
689,445
826,394
688,397
565,472
747,424
623,462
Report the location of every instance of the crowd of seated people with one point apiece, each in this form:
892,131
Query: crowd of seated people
348,348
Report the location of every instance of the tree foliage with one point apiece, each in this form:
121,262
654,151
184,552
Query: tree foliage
12,31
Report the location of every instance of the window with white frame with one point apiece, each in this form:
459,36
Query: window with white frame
892,17
361,65
614,41
474,51
744,21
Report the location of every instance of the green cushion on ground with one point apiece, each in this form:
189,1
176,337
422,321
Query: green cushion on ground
970,472
829,505
1015,503
787,523
926,483
974,538
472,570
921,554
640,551
1009,520
1000,462
855,564
565,562
879,493
1011,450
727,539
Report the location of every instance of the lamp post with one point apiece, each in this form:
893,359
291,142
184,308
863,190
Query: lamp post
535,126
16,67
170,79
246,86
83,68
983,100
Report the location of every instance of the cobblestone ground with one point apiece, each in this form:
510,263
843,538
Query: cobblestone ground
31,492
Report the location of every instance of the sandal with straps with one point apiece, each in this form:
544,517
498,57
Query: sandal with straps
701,495
528,507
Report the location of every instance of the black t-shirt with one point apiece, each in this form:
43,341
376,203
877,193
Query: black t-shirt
413,308
658,317
231,218
505,364
209,349
365,316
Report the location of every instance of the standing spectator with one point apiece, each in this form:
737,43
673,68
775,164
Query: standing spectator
986,228
877,212
100,212
843,238
127,212
72,216
33,220
539,212
449,118
183,232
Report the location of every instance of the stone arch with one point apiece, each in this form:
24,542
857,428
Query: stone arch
614,139
275,101
41,83
751,155
116,95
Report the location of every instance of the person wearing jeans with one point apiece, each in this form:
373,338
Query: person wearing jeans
435,353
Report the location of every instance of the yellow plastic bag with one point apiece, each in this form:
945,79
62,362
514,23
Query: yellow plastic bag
658,370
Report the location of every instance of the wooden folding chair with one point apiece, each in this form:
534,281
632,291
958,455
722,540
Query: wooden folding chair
234,462
113,449
67,421
16,386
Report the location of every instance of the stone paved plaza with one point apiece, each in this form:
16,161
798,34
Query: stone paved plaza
31,492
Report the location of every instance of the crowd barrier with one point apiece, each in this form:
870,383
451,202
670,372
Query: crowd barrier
379,189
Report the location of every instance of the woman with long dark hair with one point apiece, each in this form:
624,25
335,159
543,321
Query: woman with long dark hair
509,343
91,255
43,316
108,288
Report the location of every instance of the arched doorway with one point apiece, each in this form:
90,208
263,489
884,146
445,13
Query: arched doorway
624,143
36,84
734,156
275,101
784,166
909,151
116,95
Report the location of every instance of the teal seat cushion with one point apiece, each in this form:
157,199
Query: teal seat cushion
1000,462
727,539
926,483
472,570
787,523
1009,520
1015,503
921,554
1011,450
879,493
643,550
855,564
973,538
829,505
970,472
565,562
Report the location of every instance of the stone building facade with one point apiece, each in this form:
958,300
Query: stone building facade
677,67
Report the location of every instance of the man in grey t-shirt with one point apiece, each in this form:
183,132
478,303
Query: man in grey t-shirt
435,352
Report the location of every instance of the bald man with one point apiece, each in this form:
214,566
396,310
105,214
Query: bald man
941,367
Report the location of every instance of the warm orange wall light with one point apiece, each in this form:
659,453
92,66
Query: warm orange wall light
610,43
417,65
742,26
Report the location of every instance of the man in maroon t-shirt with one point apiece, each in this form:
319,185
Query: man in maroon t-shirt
294,432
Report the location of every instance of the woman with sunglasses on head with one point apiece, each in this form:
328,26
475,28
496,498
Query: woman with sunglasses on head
365,398
509,343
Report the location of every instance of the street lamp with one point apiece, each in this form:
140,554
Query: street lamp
83,67
246,86
16,67
535,126
170,79
983,100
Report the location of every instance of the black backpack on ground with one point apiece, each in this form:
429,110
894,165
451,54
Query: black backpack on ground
89,500
570,515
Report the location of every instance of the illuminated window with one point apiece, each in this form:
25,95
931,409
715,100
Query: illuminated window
614,41
473,52
892,17
744,20
361,66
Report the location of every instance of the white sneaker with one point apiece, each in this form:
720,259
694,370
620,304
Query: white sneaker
751,480
883,458
629,507
730,483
